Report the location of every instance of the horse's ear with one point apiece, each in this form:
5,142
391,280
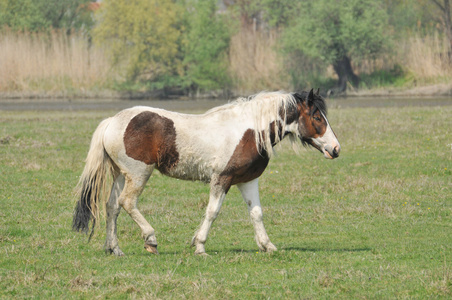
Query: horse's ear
318,92
311,97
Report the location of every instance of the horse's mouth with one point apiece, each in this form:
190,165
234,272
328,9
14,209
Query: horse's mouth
328,151
327,155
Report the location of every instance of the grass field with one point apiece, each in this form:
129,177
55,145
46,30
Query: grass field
375,223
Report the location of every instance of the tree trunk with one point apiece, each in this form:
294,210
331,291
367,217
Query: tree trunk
447,22
344,70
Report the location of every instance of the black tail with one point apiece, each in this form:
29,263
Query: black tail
83,212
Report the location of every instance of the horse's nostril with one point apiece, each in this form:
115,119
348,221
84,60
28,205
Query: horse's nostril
335,152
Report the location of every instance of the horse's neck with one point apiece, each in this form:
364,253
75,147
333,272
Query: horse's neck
277,133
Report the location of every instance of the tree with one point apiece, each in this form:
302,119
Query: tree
337,31
444,7
147,34
207,45
22,15
67,14
278,13
41,15
247,11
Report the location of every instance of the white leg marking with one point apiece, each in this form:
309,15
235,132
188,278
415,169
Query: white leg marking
250,194
217,195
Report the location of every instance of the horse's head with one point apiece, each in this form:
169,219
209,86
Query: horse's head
313,126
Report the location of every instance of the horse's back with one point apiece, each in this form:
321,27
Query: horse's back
185,146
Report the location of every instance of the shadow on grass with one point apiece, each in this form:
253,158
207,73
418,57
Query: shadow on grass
237,250
301,249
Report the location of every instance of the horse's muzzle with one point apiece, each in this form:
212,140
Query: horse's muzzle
332,152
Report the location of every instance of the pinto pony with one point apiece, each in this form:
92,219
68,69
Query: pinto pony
228,145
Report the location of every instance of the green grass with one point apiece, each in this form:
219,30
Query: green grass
375,223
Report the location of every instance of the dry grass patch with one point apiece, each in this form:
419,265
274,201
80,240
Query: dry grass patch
51,63
255,64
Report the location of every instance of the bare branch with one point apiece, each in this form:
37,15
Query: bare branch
439,5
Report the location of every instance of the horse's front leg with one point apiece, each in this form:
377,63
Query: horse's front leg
250,194
218,190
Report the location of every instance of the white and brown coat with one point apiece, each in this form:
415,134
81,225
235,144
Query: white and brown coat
228,145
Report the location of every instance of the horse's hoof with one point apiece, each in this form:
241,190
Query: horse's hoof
151,249
203,254
269,248
116,251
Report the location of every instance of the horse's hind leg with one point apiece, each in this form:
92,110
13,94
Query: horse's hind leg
250,194
134,185
113,209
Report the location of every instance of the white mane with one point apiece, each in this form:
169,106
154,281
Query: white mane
264,108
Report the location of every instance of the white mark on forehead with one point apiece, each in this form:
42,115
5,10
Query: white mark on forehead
328,137
326,120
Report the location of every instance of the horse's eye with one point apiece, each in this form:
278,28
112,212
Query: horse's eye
317,119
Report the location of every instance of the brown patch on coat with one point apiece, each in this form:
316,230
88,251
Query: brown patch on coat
290,114
151,138
276,129
245,164
311,125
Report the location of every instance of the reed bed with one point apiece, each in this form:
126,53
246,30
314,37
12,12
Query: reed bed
427,57
255,63
51,63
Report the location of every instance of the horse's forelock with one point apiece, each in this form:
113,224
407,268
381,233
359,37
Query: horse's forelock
318,101
320,104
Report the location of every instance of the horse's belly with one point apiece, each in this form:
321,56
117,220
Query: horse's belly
200,155
190,170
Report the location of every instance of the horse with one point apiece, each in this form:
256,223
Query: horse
227,145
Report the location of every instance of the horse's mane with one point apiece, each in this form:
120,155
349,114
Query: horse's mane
265,108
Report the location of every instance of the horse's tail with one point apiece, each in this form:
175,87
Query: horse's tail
92,184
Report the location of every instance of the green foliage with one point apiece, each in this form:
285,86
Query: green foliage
305,71
278,13
247,11
329,30
183,44
165,47
147,33
207,44
408,16
384,78
22,15
68,14
41,15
